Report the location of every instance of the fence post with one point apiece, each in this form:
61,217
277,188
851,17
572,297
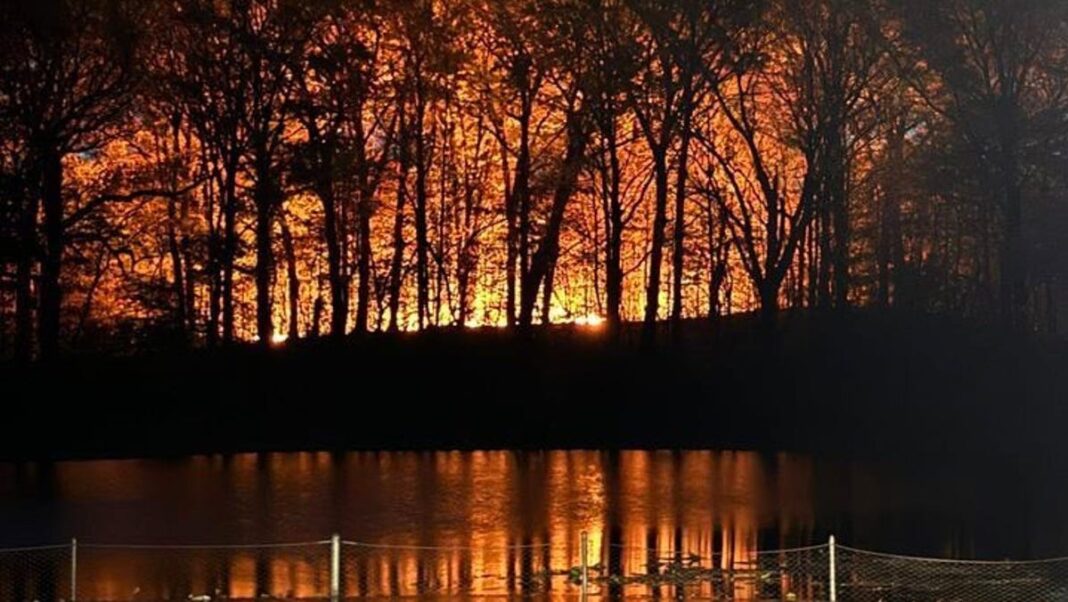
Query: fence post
335,568
834,576
584,548
74,569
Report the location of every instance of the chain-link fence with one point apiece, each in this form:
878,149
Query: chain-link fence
291,571
393,571
336,569
36,573
635,572
874,577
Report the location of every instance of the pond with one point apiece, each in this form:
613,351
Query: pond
422,523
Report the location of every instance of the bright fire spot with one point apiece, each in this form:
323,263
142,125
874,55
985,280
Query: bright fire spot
278,338
592,320
558,317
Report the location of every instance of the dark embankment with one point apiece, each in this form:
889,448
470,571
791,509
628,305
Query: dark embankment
862,384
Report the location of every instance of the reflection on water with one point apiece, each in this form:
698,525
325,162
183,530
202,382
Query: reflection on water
481,522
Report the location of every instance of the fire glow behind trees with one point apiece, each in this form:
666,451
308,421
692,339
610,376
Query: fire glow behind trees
216,170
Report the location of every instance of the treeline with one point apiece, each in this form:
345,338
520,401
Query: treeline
205,171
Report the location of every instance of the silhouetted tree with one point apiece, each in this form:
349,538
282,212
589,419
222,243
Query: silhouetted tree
70,68
994,70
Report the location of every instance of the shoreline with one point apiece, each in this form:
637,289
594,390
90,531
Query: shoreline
861,385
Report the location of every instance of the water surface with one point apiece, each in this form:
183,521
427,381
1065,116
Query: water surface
497,521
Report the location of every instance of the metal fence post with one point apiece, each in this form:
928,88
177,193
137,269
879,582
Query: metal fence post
74,569
335,568
834,576
584,548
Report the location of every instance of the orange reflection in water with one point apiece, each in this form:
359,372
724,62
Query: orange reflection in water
479,523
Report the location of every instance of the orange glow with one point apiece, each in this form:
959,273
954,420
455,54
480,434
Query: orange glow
591,320
415,172
484,523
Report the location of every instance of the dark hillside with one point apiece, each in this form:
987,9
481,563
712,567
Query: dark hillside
859,384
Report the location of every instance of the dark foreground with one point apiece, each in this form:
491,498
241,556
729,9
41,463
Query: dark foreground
857,385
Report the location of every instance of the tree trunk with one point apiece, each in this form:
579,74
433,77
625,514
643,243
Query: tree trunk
1013,276
50,290
185,250
178,283
339,290
614,239
679,250
363,230
1013,281
229,253
177,277
521,199
293,280
462,292
838,195
545,257
27,249
422,250
264,201
511,256
890,251
363,262
396,267
547,296
717,265
769,300
824,252
813,267
210,195
652,290
178,244
317,316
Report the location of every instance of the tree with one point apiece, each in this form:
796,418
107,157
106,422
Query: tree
18,230
334,75
426,55
683,41
833,69
203,70
70,68
994,70
424,163
513,44
271,34
565,27
766,208
347,143
614,52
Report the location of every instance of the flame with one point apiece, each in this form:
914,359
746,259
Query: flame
590,320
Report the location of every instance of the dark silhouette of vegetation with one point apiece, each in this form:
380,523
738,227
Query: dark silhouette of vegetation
869,384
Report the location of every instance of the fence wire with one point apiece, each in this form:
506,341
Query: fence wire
203,573
788,574
350,570
374,570
35,573
875,577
